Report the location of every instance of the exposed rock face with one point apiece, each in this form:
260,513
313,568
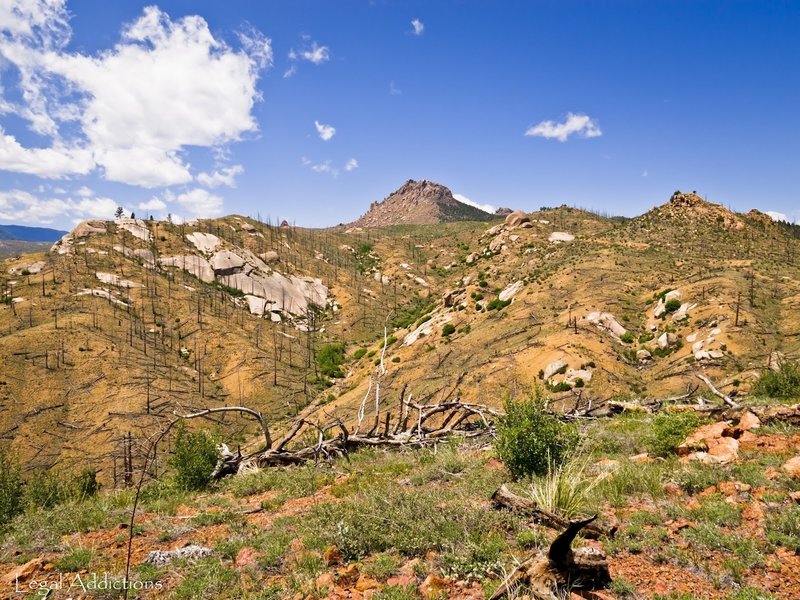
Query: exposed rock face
136,227
145,255
196,265
419,203
502,211
517,218
667,340
205,242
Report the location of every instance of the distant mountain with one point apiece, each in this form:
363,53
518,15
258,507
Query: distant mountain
420,203
30,234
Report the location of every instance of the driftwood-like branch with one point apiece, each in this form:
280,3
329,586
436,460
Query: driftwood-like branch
504,498
549,576
725,398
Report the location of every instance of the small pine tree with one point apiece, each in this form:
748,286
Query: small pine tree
119,212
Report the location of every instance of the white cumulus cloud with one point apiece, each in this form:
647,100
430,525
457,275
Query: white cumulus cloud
351,165
575,124
224,176
19,206
325,132
134,109
153,204
777,216
418,26
200,203
484,207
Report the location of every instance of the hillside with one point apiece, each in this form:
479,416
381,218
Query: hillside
122,324
419,203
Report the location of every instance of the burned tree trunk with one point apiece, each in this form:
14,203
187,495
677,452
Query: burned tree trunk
549,576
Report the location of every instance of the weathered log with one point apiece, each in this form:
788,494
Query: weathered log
549,576
503,498
724,397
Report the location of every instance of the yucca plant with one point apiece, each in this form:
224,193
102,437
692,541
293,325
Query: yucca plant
566,488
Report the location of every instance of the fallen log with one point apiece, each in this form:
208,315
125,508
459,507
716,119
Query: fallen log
724,397
503,498
550,576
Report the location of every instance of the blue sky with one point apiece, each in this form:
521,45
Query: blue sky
623,103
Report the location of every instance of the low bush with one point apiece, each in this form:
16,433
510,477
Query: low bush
11,497
530,440
448,329
670,429
330,358
194,458
783,383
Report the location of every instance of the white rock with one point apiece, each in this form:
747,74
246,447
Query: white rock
511,290
226,262
560,236
112,279
426,328
573,375
691,337
607,321
553,368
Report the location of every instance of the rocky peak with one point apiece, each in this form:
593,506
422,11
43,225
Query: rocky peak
419,202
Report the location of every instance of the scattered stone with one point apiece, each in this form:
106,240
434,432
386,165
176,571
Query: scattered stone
608,322
471,258
792,467
643,355
247,558
434,587
573,375
161,558
270,256
667,340
453,297
23,572
332,556
365,583
560,236
644,457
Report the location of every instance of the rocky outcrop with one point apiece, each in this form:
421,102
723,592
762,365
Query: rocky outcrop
553,368
607,322
516,219
136,227
226,262
111,279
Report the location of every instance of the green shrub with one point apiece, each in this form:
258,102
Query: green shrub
85,483
529,440
670,429
448,329
194,458
627,337
672,305
497,304
11,501
783,383
359,353
330,358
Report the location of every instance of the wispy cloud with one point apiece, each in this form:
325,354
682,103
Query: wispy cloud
351,165
778,216
312,52
325,132
393,89
575,124
419,27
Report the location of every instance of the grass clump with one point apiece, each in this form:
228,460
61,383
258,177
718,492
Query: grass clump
670,429
74,560
11,495
529,440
